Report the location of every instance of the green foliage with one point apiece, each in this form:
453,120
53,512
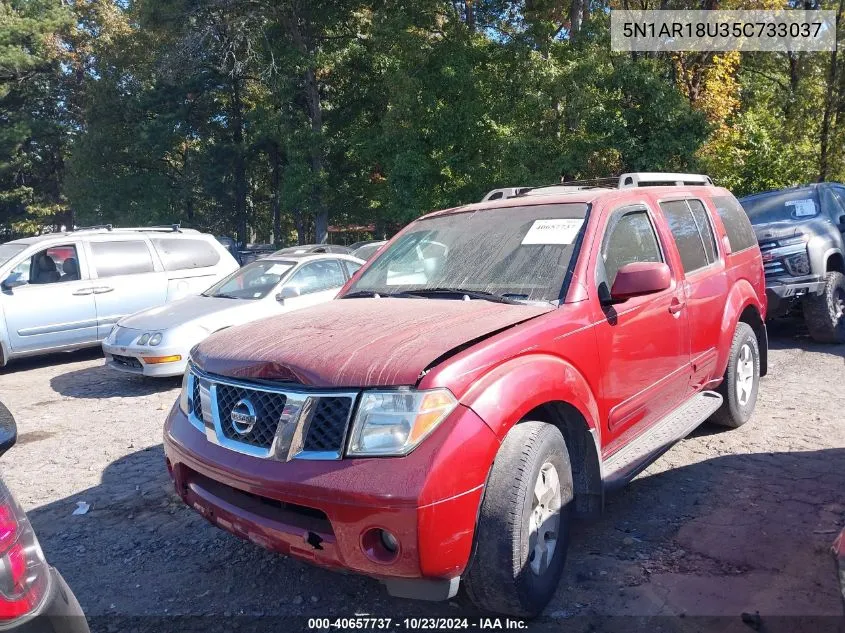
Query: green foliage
270,120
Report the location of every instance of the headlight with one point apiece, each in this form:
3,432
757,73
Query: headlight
155,339
395,422
183,395
144,338
798,264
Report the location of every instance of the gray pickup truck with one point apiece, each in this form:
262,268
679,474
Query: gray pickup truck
800,232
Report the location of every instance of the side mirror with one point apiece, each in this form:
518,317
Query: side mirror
14,280
288,292
8,430
640,278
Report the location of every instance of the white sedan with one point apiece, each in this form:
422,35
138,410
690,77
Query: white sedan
157,342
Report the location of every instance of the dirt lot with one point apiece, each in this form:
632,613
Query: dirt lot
725,523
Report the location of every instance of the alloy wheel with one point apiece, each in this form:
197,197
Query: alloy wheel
745,375
544,523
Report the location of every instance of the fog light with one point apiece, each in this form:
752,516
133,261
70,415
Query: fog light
389,541
380,546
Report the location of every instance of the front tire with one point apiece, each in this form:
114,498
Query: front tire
524,523
742,379
825,313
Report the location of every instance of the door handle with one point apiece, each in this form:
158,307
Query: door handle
83,292
676,306
102,289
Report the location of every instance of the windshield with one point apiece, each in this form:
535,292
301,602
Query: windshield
253,281
520,253
782,205
8,251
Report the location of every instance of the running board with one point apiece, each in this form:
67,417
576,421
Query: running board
629,461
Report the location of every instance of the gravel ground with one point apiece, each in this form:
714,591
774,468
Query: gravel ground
727,522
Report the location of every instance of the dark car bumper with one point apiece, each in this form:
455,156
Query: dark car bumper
781,291
59,613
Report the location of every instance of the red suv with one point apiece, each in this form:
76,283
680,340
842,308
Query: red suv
487,377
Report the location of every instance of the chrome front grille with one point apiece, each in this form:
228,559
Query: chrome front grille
268,410
267,421
773,269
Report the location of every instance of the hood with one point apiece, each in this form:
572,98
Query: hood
208,312
356,342
785,229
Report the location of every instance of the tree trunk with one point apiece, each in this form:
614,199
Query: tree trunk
829,106
576,12
240,164
291,23
275,161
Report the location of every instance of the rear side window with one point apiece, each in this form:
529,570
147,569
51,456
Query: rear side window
630,239
184,254
699,213
737,225
131,257
690,238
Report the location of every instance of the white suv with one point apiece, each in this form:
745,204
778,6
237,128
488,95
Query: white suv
65,291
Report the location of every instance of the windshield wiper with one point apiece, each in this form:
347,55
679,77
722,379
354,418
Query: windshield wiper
371,293
472,294
222,295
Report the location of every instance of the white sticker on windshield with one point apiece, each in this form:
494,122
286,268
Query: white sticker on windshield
803,208
557,231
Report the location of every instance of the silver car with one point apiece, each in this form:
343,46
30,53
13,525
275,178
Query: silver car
158,341
65,291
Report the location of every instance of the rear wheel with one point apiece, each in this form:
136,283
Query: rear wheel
825,313
523,526
742,379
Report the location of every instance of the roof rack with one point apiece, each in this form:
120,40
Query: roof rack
166,228
95,227
657,178
625,181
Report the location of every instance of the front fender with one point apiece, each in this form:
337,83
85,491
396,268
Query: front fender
508,392
740,297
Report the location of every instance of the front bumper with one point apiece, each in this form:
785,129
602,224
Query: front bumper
59,613
324,511
781,291
131,359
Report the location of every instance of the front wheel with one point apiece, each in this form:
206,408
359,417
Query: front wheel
742,379
523,526
825,313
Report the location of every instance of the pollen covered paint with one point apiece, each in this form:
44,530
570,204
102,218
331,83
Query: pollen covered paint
355,342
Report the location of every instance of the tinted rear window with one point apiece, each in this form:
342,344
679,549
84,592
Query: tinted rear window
782,205
737,226
184,254
685,230
131,257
